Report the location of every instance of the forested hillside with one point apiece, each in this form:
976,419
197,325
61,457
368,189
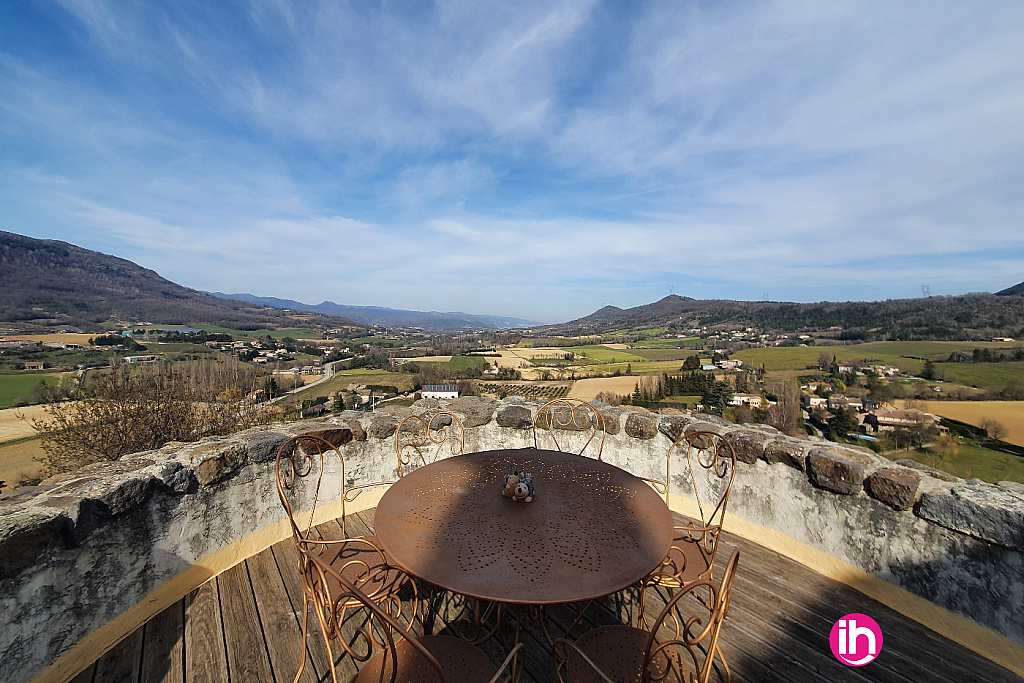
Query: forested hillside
46,284
970,316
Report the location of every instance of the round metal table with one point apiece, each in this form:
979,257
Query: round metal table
591,530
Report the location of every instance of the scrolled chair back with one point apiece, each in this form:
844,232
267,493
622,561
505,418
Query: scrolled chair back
440,435
711,469
689,629
300,473
572,424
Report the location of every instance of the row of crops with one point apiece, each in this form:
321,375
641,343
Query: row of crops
524,390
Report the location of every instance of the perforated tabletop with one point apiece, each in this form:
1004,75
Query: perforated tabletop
591,530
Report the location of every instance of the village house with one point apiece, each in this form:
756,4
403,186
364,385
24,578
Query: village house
440,391
751,400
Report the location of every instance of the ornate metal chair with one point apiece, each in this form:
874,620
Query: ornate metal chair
415,434
350,561
679,646
711,465
405,658
579,422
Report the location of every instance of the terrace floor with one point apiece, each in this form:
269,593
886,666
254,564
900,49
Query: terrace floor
243,626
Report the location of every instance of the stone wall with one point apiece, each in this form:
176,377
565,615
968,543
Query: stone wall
80,549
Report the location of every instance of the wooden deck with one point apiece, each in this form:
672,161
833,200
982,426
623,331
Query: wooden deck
243,626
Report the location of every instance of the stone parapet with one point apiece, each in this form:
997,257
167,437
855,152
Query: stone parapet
82,548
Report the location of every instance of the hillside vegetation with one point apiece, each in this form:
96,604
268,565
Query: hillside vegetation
54,284
970,316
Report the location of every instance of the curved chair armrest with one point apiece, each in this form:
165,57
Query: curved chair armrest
378,612
659,486
565,658
352,492
509,660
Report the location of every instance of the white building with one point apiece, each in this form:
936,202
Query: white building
752,400
439,391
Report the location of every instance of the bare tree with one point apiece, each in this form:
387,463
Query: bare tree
785,414
128,409
995,430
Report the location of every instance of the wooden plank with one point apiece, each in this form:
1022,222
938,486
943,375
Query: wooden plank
121,664
205,656
827,599
281,626
287,559
248,659
163,648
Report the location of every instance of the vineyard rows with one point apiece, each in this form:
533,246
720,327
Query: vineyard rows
524,390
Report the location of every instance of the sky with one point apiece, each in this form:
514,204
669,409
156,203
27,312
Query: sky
530,159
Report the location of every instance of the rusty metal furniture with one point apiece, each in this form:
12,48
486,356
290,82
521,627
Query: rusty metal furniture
355,560
405,658
571,424
678,647
442,433
711,469
591,530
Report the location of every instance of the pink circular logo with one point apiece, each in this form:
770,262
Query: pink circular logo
856,639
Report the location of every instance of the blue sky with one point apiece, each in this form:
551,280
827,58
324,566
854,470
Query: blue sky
537,159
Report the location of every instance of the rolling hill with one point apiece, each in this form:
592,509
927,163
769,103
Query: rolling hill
969,316
48,284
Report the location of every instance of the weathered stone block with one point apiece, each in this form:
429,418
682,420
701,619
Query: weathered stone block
335,437
981,511
673,426
896,487
1012,487
358,433
612,418
217,461
382,426
838,471
704,425
475,410
640,426
263,446
514,416
748,444
26,536
787,451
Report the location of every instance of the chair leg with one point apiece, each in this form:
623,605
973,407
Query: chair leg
305,630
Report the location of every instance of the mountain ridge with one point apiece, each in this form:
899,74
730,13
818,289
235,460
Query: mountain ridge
50,283
966,316
380,315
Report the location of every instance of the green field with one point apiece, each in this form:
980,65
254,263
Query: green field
293,332
401,380
14,388
467,362
663,354
972,461
982,375
667,343
602,354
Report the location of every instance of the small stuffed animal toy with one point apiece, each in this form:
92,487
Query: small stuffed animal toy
524,489
511,482
518,487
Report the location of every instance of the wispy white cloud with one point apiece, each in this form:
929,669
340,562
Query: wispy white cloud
325,150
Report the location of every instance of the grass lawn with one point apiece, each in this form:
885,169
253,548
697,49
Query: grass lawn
602,354
16,387
972,461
